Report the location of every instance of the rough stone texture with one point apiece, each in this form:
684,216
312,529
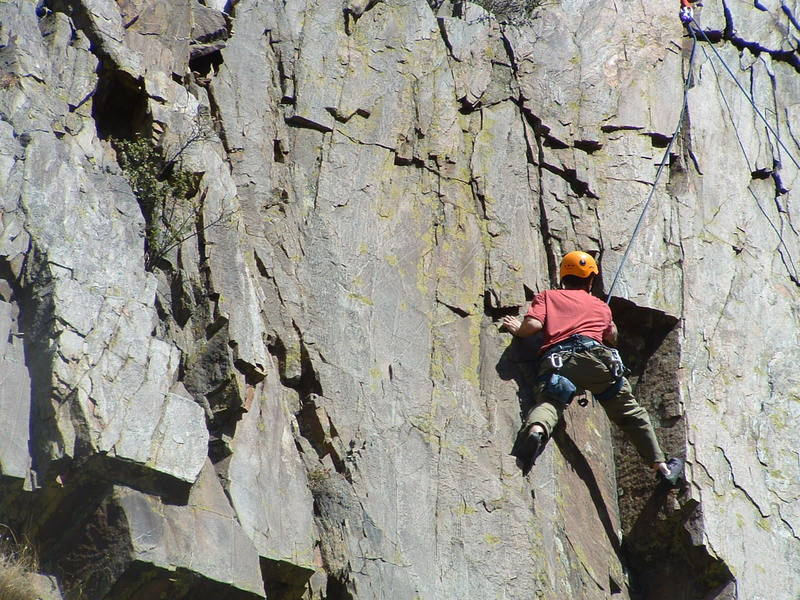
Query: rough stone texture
260,487
134,544
101,378
46,588
307,396
15,403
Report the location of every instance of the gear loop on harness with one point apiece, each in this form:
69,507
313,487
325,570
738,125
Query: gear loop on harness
561,388
616,366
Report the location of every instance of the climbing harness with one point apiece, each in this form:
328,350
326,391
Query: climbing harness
557,387
617,367
560,388
665,158
618,370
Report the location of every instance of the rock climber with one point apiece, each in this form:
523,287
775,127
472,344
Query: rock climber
686,13
576,355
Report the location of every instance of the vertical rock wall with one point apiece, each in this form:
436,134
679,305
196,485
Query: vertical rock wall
305,394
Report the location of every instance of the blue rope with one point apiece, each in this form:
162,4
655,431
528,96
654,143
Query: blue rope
739,85
793,274
658,172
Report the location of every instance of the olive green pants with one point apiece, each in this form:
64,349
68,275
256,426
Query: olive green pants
588,371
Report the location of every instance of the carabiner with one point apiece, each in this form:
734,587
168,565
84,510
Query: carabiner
617,367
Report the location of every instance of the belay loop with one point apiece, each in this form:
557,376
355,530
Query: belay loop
561,389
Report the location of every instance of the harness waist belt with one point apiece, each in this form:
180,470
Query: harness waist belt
572,343
577,343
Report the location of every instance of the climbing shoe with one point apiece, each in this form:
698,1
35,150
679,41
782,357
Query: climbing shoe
527,448
675,466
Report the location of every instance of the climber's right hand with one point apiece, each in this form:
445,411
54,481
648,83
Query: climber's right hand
511,324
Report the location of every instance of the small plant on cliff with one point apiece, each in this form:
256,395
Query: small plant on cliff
516,12
167,195
17,568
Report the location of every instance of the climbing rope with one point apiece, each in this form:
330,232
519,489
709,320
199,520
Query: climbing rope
686,86
693,21
793,273
692,25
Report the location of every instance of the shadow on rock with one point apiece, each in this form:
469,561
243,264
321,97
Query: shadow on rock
576,459
518,363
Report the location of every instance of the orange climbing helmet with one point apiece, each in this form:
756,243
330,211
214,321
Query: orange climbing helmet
579,264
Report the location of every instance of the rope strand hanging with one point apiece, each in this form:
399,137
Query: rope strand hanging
792,270
702,33
693,27
665,158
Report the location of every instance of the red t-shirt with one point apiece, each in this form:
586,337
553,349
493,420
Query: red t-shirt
565,313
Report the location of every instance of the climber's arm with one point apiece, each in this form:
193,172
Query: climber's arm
526,328
610,335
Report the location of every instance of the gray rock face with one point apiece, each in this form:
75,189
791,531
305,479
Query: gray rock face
306,395
15,396
261,487
156,546
107,369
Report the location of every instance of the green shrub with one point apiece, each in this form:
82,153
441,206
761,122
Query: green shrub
166,194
